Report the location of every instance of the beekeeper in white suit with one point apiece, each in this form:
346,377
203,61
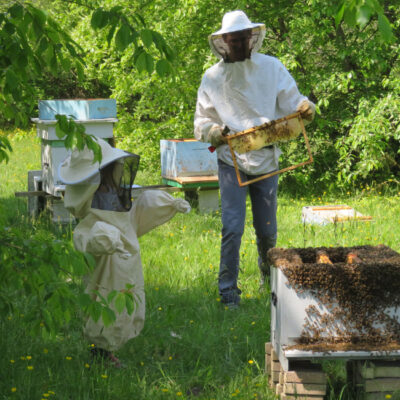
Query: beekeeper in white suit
243,90
109,227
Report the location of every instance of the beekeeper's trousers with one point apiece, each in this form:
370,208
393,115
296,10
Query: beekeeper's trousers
263,195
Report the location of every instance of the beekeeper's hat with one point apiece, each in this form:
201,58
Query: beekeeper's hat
79,166
234,21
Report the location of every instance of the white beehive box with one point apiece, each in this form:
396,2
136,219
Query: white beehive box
323,215
78,109
186,157
54,152
289,315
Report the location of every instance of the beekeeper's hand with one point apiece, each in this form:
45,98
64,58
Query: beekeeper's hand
182,206
215,137
307,110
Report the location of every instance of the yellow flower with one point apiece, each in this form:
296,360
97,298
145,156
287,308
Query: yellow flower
14,389
87,365
68,358
218,299
159,308
253,323
22,358
251,361
179,393
46,395
51,392
30,367
141,363
104,376
191,321
388,396
169,358
12,361
164,390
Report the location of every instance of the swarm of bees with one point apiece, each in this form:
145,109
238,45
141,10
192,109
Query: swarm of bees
356,288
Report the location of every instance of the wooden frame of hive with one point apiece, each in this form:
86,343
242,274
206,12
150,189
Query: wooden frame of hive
279,130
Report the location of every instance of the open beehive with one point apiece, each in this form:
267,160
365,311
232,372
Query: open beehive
335,299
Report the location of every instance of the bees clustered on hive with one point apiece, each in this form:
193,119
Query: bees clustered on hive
355,286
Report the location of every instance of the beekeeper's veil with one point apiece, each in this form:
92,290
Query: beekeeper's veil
78,167
234,21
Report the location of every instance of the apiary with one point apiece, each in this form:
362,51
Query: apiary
339,302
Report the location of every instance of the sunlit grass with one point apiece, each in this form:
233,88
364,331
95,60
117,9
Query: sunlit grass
191,346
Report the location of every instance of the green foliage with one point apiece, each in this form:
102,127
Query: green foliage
5,148
75,137
339,53
32,44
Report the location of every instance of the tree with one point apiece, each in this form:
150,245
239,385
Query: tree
33,45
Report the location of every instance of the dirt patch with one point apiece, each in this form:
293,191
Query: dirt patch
356,285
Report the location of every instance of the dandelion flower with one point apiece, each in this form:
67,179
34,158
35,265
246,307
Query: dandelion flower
87,365
388,396
46,395
251,362
30,367
170,358
159,308
191,321
12,361
253,323
68,358
104,376
14,389
179,393
164,390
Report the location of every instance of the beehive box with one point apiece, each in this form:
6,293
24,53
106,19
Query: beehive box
78,109
53,151
328,214
186,157
348,302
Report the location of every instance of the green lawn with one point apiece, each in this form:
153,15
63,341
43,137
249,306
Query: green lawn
191,347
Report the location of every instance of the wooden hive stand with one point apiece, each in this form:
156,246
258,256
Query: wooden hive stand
305,380
374,380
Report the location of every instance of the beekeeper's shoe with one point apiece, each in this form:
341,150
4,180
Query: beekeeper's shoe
231,299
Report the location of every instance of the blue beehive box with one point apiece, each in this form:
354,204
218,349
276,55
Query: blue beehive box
79,109
186,157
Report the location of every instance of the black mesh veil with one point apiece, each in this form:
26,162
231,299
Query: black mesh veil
129,170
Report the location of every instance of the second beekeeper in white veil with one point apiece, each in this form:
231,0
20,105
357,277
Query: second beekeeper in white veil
243,90
109,226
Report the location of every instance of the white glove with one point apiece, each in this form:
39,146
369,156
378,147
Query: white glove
215,137
182,206
307,110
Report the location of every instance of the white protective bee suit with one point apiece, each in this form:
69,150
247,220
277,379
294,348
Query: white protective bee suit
241,93
112,238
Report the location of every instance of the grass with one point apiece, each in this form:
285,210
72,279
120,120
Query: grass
190,347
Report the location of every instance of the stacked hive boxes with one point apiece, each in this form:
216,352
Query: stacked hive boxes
98,117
